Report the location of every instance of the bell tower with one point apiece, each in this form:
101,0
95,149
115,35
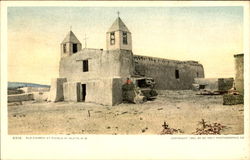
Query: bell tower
118,37
70,45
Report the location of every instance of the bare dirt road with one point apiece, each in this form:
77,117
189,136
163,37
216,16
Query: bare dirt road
179,109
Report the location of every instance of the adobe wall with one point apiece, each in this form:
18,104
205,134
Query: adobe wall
117,91
71,91
239,72
225,84
126,63
163,72
107,71
215,84
117,63
110,64
209,83
106,91
71,67
56,89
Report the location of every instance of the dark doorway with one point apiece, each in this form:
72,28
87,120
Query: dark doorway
201,86
177,76
74,47
83,92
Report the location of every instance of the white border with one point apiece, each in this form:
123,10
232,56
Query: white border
123,147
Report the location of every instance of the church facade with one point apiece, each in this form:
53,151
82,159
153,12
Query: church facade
97,75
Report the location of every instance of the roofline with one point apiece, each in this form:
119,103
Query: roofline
118,30
69,42
239,55
160,58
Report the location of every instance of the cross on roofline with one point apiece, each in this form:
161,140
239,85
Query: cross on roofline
85,40
70,28
118,13
165,125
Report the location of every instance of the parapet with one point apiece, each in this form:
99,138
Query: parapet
239,55
156,60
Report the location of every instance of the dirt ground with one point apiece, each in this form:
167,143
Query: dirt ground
179,109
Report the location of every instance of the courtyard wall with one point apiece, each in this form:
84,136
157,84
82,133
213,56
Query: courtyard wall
165,74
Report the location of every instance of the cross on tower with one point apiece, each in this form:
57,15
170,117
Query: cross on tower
85,41
70,28
118,13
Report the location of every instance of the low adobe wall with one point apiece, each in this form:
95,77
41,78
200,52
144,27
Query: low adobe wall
35,89
20,97
41,96
208,83
230,99
215,84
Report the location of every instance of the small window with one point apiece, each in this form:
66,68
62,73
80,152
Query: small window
124,38
85,66
197,74
64,48
177,76
112,38
201,86
74,47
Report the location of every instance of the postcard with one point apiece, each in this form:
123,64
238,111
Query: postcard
125,80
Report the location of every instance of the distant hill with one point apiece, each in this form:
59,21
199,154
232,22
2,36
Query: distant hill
23,84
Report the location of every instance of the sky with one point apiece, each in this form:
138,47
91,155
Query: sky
209,35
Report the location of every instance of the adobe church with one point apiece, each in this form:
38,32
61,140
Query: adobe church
97,75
